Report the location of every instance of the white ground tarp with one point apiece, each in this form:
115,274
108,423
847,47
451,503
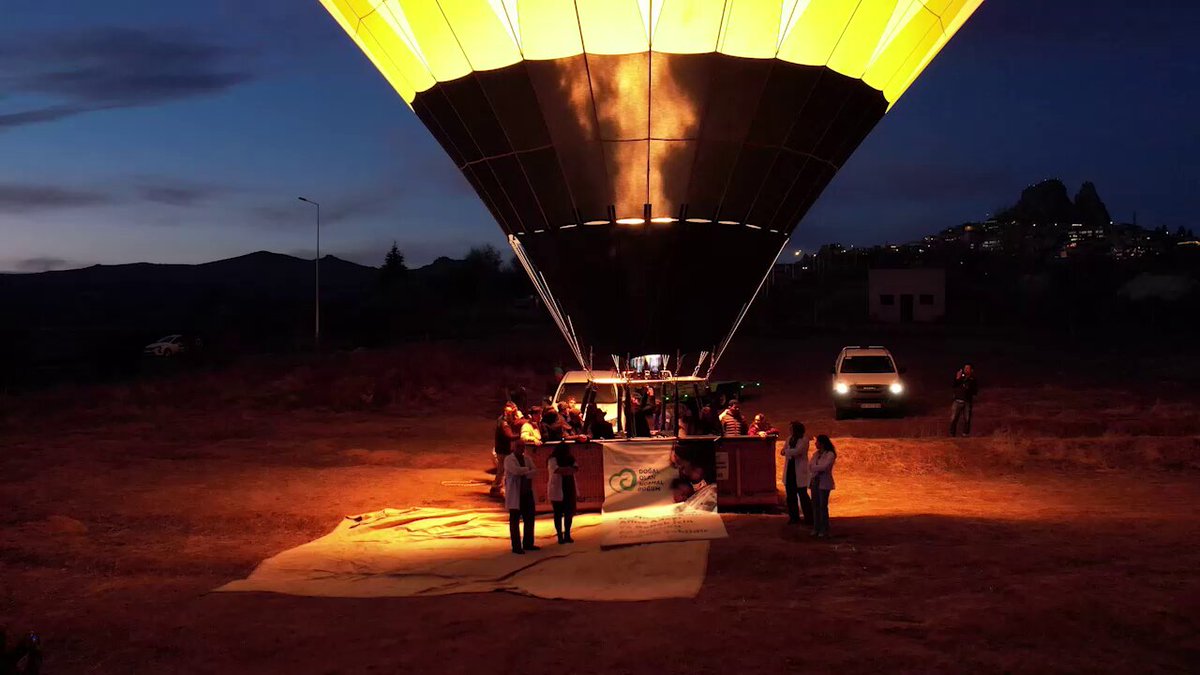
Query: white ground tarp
639,506
428,551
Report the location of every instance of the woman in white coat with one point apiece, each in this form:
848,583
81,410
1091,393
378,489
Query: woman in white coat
560,488
518,498
795,474
820,468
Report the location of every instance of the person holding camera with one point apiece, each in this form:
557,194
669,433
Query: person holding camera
965,388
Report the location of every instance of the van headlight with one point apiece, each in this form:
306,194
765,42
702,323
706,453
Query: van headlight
841,388
896,388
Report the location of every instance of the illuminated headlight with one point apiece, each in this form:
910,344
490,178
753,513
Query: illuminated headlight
841,388
896,388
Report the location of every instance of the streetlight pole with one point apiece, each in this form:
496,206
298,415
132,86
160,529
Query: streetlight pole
317,280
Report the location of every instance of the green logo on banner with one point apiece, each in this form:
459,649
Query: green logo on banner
623,480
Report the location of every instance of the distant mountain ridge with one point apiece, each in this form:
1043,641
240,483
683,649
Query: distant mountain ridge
261,262
160,296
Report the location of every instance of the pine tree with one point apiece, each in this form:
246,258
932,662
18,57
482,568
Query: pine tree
393,265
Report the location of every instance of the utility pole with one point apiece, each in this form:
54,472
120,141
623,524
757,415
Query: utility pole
317,280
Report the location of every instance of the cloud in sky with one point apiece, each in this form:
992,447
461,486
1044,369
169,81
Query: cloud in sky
172,194
17,198
40,264
107,68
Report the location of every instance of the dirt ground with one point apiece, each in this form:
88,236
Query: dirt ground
1061,537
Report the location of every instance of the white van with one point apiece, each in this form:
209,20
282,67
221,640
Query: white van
574,384
866,378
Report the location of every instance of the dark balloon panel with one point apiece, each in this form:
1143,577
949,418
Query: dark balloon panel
584,139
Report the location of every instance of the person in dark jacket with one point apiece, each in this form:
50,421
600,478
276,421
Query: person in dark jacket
708,424
554,428
644,410
570,414
965,388
597,426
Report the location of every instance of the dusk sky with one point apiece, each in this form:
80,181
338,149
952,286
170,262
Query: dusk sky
134,130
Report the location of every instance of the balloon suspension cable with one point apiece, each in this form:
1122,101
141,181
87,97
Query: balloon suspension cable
699,363
556,312
742,315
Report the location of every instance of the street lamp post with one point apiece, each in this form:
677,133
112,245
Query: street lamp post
317,280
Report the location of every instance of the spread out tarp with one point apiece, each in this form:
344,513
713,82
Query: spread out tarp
430,551
639,505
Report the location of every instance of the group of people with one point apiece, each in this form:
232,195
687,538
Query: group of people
703,419
808,478
515,471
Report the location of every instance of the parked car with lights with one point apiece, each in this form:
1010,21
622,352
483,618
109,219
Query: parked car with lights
866,378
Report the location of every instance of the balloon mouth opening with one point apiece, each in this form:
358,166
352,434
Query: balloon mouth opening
631,221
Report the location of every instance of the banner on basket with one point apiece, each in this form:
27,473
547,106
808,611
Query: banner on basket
659,491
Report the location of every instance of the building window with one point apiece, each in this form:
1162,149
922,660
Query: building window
926,299
887,299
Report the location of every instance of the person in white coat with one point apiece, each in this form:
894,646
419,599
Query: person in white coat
820,470
560,488
795,474
518,498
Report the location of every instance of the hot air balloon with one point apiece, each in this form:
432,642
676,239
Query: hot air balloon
648,159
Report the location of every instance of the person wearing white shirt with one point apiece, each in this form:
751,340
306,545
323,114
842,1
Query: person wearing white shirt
820,469
795,474
560,488
518,498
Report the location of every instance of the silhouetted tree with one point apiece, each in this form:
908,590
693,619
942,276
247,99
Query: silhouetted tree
393,265
484,259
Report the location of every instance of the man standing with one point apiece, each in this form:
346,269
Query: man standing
518,496
965,388
732,422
